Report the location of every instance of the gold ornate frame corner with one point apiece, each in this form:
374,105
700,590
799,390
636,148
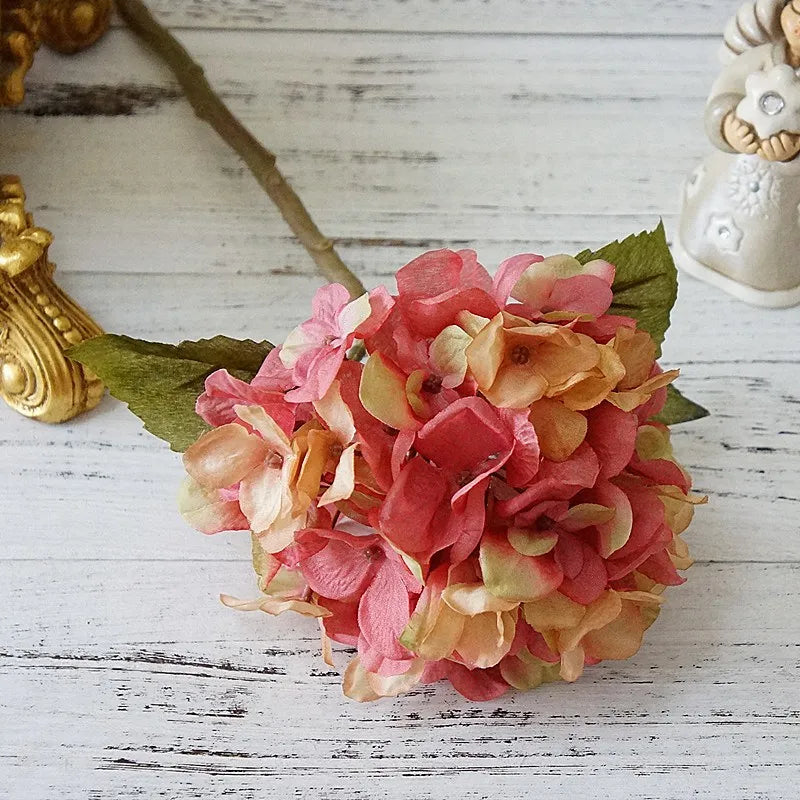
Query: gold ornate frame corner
38,322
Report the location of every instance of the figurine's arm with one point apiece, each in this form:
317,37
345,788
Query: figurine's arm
724,129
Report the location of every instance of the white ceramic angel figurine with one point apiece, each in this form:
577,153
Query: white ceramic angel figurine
740,223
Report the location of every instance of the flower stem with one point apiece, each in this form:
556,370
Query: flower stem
209,107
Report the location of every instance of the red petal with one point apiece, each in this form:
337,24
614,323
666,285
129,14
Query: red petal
479,685
431,315
612,435
410,506
468,440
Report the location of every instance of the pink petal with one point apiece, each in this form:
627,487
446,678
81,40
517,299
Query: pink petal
430,274
342,569
223,392
474,274
381,303
273,375
590,582
314,373
583,294
569,554
328,301
468,519
342,625
509,272
556,481
478,685
659,567
523,464
383,613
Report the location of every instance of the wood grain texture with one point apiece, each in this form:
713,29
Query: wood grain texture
564,146
405,126
572,17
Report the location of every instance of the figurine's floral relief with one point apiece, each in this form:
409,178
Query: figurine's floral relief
486,499
739,224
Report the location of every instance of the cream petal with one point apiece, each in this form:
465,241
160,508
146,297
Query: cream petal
344,480
335,414
354,314
269,430
471,599
274,606
260,497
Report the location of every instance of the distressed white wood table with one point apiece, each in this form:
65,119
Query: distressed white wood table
405,125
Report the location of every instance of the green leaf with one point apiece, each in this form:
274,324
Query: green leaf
161,382
679,409
646,282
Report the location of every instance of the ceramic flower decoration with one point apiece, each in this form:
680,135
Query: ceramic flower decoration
772,102
489,496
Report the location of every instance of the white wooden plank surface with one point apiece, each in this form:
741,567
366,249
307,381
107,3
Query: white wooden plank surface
397,144
573,17
120,674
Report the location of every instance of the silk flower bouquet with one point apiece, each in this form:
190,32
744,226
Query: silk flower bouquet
483,492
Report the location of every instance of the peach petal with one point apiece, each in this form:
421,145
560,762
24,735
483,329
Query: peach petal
560,430
553,612
486,639
485,352
269,430
223,456
572,663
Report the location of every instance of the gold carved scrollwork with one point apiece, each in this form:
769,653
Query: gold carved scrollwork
64,25
38,322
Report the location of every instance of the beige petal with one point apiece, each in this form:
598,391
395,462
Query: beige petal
572,662
274,606
356,684
448,355
395,685
205,511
